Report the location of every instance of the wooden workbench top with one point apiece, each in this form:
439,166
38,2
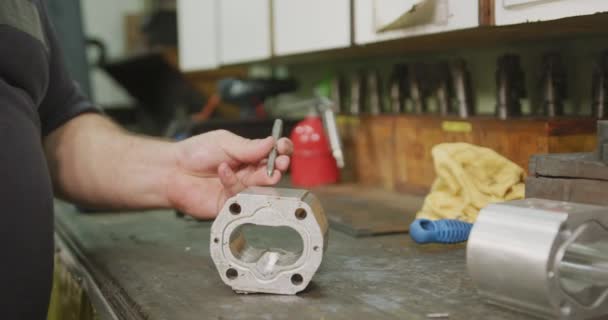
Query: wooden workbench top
152,265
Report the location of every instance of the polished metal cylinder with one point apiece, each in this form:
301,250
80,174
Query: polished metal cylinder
602,140
542,257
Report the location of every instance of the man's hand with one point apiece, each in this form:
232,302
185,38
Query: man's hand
212,167
95,163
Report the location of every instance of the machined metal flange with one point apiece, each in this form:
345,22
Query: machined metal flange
248,269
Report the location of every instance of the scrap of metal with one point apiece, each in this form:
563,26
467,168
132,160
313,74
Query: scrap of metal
547,258
248,269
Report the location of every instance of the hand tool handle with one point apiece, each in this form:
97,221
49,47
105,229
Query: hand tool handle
440,231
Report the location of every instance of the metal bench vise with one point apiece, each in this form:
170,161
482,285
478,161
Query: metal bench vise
544,257
248,269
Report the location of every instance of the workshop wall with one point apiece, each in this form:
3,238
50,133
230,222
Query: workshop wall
104,20
67,19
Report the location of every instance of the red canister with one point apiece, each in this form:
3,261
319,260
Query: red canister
312,163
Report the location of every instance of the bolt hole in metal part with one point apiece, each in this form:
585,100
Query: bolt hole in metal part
232,274
297,279
275,243
235,208
301,214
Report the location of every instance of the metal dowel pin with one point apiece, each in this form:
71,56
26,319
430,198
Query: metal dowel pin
277,131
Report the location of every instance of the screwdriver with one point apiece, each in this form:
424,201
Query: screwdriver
277,131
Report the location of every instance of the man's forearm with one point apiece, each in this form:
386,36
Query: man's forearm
96,163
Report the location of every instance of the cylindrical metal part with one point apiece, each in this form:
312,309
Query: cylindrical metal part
502,95
550,105
331,128
602,140
357,94
374,93
517,252
277,131
510,87
415,89
587,253
586,263
395,95
553,85
599,92
507,261
590,274
337,94
442,90
599,87
397,88
461,82
442,98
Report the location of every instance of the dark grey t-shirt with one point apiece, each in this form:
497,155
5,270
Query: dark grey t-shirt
36,97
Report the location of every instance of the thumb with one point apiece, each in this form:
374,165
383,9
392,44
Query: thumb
229,180
247,150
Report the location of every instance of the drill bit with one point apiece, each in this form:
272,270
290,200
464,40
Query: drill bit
277,131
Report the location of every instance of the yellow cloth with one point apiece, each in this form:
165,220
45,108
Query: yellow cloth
470,177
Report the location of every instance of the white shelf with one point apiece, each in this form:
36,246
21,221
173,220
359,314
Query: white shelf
198,37
244,30
454,15
311,25
521,11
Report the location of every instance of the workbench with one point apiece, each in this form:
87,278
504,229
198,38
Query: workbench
152,265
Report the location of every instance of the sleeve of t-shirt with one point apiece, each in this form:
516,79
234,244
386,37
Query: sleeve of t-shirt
64,99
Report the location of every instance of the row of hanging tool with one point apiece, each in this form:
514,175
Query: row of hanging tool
446,88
